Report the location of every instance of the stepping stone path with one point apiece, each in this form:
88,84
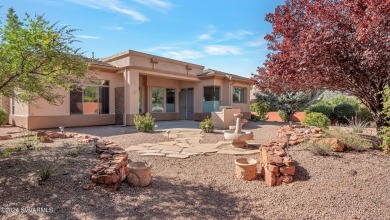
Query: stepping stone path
187,143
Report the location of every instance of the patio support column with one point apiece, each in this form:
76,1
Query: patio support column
132,93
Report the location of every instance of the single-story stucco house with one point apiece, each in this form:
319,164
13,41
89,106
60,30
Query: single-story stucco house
120,86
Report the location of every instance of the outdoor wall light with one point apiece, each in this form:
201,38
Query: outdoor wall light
288,136
168,131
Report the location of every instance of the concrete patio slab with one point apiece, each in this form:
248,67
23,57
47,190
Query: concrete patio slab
168,148
136,148
184,145
148,151
199,150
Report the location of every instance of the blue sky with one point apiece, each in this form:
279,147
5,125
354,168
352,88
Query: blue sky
225,35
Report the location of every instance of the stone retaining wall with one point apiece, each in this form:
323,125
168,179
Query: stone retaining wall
276,166
112,167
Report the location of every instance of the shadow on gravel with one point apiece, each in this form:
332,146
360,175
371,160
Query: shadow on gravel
301,173
163,199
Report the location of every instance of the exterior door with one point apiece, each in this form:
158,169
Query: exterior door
186,104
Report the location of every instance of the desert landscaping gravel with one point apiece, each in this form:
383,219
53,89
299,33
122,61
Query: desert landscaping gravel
348,185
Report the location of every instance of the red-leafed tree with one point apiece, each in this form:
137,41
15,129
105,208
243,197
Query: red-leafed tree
339,45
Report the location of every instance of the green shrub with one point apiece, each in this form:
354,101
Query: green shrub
207,125
283,115
3,117
343,99
144,123
316,119
344,111
255,118
365,114
261,108
323,108
351,140
385,130
10,150
319,148
385,134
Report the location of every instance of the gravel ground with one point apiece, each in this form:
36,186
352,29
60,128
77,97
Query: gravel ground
345,186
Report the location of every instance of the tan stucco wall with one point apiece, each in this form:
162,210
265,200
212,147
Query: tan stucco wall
39,122
245,107
21,109
132,79
17,120
225,118
41,107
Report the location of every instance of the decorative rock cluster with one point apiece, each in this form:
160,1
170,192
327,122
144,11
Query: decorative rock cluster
112,167
5,137
300,134
276,166
48,136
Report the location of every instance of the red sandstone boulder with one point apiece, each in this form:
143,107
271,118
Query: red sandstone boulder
288,161
337,146
46,139
280,152
286,179
269,178
5,137
287,170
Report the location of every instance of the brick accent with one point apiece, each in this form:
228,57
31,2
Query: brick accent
119,105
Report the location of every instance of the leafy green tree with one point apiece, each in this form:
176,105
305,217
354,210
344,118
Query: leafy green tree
290,102
36,57
385,130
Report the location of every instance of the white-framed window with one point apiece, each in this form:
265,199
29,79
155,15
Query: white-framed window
239,95
90,98
163,99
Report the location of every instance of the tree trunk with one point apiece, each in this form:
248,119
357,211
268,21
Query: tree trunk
380,121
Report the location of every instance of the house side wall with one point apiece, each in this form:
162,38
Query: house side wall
41,114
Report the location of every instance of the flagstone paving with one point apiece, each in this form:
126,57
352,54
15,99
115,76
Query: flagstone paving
182,144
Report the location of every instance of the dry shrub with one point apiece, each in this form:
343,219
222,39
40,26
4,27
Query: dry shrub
351,140
318,148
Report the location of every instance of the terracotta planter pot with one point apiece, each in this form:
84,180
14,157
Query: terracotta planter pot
246,168
139,174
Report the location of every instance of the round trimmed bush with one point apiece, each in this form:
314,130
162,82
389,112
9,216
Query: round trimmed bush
365,114
321,108
343,111
283,115
207,125
316,119
3,117
144,123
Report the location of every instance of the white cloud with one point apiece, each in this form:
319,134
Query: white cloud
237,35
256,43
112,5
208,34
183,54
155,4
116,28
222,50
160,48
88,37
205,37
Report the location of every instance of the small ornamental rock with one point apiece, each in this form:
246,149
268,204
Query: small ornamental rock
87,186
